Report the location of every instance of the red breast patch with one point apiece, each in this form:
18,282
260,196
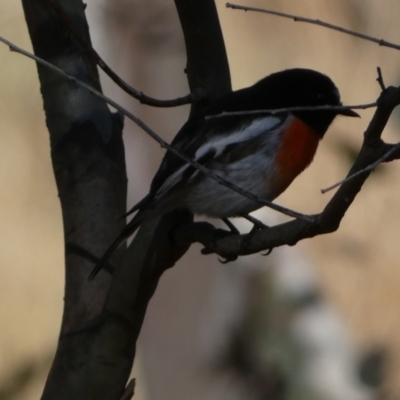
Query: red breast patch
297,149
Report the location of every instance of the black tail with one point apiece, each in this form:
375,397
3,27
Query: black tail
142,204
125,233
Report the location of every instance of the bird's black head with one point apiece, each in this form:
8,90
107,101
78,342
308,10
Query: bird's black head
301,88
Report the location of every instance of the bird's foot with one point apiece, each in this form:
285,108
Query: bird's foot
257,226
269,251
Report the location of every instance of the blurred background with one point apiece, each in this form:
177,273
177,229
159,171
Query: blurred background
315,321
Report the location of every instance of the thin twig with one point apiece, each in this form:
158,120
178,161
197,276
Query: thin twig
157,138
380,79
291,109
144,99
366,169
296,18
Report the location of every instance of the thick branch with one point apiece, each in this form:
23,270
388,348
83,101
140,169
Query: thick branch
152,244
89,167
207,62
152,251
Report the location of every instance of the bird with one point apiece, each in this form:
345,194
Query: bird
261,152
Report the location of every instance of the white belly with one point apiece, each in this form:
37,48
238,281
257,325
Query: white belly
210,198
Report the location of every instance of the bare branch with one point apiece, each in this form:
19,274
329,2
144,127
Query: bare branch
196,95
157,138
296,18
292,109
366,169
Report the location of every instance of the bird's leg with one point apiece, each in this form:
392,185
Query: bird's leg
257,224
230,225
235,231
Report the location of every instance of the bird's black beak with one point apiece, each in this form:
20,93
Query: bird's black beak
348,112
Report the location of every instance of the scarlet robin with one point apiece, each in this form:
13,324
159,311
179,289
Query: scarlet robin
260,152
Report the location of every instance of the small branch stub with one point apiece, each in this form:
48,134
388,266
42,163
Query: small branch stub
380,79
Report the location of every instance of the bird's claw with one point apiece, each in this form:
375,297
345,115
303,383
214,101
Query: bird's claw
227,260
269,251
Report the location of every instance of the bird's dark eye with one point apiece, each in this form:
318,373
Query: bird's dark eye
321,98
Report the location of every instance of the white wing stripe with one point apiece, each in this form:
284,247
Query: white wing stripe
220,142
